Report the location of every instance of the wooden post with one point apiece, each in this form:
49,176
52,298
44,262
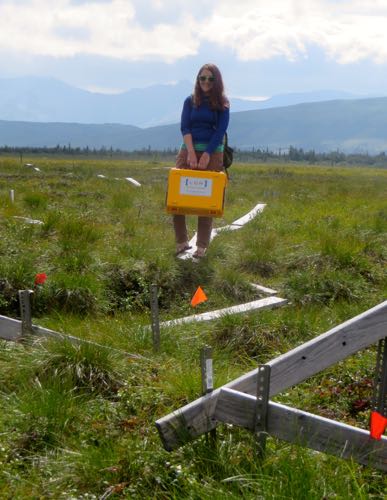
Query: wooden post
260,414
155,317
207,381
25,311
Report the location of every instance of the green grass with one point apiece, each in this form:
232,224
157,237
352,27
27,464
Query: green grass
78,421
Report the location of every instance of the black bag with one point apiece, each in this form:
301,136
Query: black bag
228,153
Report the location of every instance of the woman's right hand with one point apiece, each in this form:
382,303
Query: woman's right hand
192,160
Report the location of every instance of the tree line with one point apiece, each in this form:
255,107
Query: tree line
290,154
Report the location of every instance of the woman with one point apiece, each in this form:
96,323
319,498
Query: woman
204,121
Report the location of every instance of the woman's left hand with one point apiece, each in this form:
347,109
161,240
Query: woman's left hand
204,161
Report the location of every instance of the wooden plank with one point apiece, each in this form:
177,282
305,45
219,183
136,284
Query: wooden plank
133,181
10,329
250,215
288,369
231,227
28,220
267,303
263,289
46,332
129,179
305,429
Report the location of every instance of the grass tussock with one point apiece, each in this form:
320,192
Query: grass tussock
89,368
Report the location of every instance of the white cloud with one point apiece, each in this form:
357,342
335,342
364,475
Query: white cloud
169,30
105,29
347,31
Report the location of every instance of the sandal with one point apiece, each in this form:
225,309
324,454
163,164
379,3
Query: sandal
182,247
199,253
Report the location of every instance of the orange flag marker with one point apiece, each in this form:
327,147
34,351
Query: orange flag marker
378,425
199,297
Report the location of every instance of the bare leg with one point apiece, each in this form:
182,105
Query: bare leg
180,227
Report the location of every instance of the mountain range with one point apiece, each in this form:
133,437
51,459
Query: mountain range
37,99
350,125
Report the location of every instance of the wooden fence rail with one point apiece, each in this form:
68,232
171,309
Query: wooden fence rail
305,429
287,370
11,329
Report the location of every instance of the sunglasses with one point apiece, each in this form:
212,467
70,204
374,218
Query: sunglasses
208,78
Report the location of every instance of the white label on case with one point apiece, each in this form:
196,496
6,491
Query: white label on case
195,186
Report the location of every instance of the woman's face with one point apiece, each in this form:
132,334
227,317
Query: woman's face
206,81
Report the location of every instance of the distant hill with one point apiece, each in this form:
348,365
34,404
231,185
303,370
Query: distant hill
48,100
348,125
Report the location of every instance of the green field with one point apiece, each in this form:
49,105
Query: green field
78,422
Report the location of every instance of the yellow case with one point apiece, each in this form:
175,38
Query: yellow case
196,192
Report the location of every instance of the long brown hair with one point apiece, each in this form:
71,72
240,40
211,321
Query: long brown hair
218,100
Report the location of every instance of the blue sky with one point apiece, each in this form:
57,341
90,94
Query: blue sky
262,47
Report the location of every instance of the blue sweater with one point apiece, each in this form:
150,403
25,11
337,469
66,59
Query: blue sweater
205,125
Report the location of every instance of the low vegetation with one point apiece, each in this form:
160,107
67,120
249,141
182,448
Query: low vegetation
78,421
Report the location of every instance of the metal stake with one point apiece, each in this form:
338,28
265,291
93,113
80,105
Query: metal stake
260,417
25,311
207,370
155,317
379,400
207,381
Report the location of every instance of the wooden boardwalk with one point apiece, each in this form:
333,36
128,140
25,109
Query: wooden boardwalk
237,224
